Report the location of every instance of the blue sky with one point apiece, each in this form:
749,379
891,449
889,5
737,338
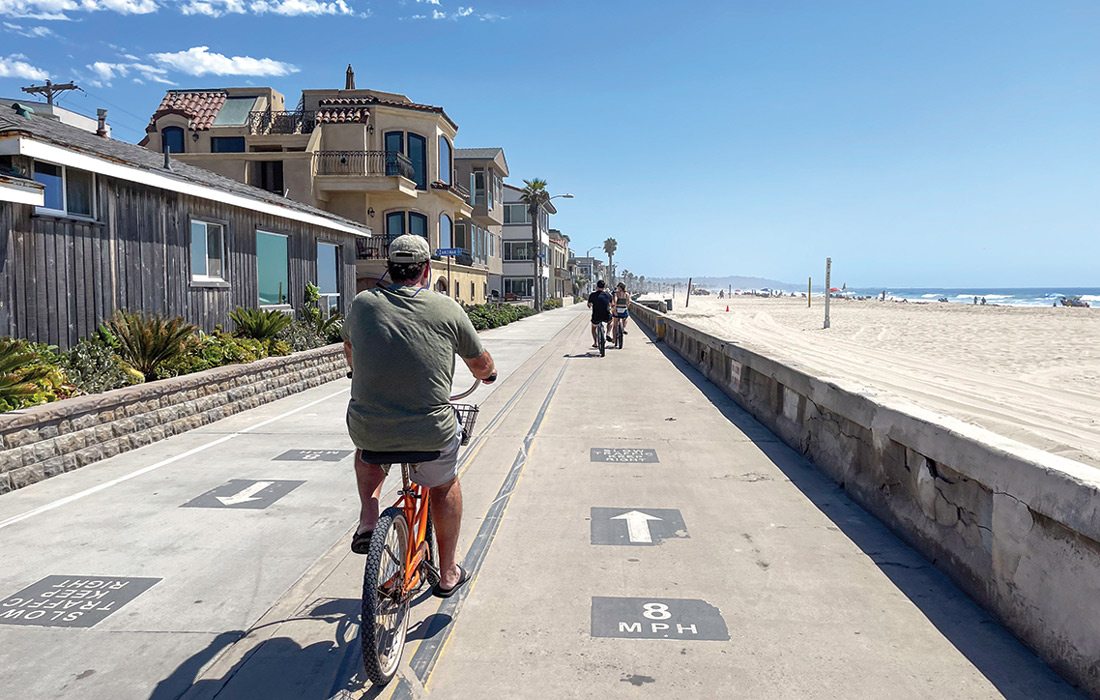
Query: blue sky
918,143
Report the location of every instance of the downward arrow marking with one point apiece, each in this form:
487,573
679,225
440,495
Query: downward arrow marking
245,495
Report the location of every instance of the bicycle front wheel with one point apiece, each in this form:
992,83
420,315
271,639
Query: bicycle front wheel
385,607
602,339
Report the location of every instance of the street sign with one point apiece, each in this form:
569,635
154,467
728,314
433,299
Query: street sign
657,618
313,455
449,252
71,601
244,493
636,526
630,455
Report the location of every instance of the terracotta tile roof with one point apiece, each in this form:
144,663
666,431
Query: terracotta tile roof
353,115
376,100
200,107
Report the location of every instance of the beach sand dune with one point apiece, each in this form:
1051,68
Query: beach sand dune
1031,374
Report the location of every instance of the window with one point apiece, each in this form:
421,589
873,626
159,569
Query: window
207,251
172,138
67,190
327,275
268,175
519,286
472,292
460,236
518,251
516,214
227,144
444,160
446,232
396,224
479,187
418,154
272,268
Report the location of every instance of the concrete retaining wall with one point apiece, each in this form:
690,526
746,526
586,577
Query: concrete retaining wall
43,441
1016,527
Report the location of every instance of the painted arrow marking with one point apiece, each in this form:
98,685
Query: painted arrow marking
245,495
637,525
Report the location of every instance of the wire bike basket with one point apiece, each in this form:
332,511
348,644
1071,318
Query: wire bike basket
467,417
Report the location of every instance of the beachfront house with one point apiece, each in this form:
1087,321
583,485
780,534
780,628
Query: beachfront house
484,169
561,278
370,156
90,225
519,267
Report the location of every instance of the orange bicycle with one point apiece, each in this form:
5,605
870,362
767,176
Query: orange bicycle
402,556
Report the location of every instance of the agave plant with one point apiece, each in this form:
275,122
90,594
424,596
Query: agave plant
147,342
259,324
19,373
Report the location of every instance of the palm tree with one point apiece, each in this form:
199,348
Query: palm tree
609,247
535,196
641,282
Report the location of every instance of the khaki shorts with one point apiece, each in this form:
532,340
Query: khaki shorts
439,471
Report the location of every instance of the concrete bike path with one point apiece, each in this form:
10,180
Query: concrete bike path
126,578
661,543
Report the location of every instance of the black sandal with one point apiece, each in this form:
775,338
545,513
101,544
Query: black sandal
360,541
440,592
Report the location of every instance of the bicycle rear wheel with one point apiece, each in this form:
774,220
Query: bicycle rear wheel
385,607
619,335
601,339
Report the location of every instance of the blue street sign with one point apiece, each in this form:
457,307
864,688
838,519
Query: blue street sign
449,252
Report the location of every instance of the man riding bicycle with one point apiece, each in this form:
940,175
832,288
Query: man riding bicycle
400,341
600,303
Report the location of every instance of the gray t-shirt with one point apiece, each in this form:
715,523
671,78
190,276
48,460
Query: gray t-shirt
404,341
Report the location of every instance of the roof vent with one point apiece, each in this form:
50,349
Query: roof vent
349,79
101,130
167,158
22,110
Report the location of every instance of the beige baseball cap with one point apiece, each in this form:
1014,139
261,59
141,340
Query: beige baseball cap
409,248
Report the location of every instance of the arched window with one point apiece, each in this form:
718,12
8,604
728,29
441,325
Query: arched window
418,154
444,160
446,232
441,285
172,136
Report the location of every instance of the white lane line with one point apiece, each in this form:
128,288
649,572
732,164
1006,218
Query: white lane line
164,462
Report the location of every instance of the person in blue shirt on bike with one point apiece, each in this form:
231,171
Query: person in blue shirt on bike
600,303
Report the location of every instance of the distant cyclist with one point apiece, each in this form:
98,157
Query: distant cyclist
622,307
600,303
401,341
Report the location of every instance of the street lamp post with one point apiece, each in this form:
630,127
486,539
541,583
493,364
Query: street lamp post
536,237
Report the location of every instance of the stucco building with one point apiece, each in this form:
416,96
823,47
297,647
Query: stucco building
484,169
370,156
519,253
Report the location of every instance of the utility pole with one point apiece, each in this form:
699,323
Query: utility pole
828,278
687,300
809,292
50,89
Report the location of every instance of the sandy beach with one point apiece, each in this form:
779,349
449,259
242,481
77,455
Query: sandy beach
1031,374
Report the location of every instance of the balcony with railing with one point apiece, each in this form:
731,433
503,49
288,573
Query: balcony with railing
364,163
275,122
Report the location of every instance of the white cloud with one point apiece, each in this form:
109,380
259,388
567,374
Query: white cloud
198,61
294,8
16,66
29,32
464,12
430,2
213,8
104,73
57,9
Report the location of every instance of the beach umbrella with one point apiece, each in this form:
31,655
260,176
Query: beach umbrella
833,289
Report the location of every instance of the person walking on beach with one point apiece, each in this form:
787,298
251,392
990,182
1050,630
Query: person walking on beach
600,303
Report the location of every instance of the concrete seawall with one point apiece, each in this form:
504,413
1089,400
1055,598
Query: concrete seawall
1016,527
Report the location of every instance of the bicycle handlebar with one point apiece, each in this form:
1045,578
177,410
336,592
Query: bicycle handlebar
473,387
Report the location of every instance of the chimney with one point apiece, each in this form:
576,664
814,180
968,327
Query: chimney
101,130
349,79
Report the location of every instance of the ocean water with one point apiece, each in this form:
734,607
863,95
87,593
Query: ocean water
1017,296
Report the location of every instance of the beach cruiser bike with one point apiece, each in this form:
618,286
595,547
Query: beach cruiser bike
601,338
402,557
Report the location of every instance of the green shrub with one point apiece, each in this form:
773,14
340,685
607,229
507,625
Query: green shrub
553,303
93,366
208,350
23,377
146,342
299,336
327,323
259,324
485,316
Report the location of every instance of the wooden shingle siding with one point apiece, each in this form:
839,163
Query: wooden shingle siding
62,277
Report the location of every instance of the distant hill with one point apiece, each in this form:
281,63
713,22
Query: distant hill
735,281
